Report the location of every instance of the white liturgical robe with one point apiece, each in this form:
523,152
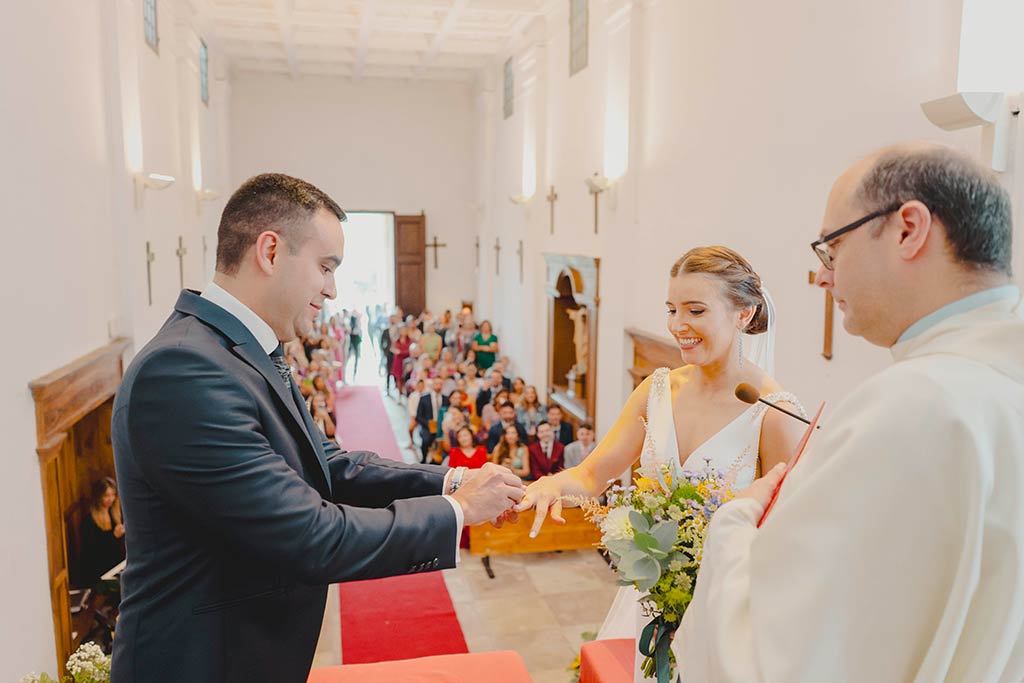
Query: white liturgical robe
895,552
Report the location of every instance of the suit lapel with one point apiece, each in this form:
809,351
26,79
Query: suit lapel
249,350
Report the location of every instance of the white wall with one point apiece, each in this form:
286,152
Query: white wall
74,241
740,118
372,146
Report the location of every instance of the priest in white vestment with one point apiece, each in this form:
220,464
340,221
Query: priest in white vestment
895,551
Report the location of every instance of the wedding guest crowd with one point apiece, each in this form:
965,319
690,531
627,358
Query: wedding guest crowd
464,405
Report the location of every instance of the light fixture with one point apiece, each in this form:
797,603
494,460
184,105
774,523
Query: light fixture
154,181
519,199
990,110
205,195
597,183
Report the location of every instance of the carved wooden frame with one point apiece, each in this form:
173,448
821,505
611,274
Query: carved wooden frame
62,398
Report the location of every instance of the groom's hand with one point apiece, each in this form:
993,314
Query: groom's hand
762,490
486,493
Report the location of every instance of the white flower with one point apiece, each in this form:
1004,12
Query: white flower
616,526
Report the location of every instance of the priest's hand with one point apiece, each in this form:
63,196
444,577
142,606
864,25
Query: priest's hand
762,490
488,493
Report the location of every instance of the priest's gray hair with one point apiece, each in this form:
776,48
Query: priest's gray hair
966,197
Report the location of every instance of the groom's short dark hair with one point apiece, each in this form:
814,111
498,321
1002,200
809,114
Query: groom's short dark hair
966,197
270,201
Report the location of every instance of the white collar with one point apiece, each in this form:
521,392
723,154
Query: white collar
264,334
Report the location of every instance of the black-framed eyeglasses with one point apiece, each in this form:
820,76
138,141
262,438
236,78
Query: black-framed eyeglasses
824,253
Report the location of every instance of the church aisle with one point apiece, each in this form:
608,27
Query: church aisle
538,605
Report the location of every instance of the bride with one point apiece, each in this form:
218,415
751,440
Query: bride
715,307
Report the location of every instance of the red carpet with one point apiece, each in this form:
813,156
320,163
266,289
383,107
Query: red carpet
403,616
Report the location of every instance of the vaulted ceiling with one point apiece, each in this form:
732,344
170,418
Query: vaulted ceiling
404,39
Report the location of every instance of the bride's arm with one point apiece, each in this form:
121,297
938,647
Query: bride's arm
613,455
780,435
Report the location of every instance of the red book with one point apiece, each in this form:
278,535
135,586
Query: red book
792,463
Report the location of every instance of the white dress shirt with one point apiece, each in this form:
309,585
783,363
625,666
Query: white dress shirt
268,341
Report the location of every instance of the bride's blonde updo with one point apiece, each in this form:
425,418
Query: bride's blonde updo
741,285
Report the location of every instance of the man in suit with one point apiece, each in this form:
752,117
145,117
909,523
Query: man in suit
239,511
546,454
507,413
561,430
429,411
494,384
578,450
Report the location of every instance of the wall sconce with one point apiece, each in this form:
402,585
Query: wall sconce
205,195
597,183
154,181
990,110
519,199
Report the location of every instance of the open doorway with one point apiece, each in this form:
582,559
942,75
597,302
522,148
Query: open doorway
366,287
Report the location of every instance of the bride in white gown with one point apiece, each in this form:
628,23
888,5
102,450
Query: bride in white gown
716,307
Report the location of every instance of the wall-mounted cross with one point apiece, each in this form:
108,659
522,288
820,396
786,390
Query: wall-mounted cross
826,349
204,257
180,253
519,252
435,245
497,252
150,257
552,198
477,245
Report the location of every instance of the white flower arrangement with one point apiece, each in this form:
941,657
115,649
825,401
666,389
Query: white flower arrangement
88,664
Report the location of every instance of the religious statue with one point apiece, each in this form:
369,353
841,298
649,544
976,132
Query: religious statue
580,339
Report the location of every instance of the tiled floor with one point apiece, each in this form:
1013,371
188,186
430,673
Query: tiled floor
538,605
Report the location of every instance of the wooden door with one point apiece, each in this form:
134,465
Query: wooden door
411,263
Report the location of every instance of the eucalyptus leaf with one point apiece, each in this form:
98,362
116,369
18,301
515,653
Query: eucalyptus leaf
646,571
620,547
645,542
639,522
665,533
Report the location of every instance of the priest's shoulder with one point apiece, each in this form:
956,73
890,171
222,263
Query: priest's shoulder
912,389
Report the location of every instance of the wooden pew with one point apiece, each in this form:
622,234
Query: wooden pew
486,540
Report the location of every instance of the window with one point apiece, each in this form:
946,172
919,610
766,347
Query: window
149,24
204,73
509,89
579,17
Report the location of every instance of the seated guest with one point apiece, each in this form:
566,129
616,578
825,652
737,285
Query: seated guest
473,383
530,412
493,383
561,430
468,359
516,392
102,534
465,402
453,420
582,447
322,417
507,415
321,386
511,453
447,381
431,343
466,452
546,454
428,414
490,412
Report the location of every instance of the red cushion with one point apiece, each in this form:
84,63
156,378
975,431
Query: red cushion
607,661
493,667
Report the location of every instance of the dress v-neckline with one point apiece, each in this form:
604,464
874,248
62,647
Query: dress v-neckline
680,462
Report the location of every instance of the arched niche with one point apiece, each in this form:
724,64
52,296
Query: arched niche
572,292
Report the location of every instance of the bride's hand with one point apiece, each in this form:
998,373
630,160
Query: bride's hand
544,495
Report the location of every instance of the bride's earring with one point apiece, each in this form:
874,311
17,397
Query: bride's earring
739,345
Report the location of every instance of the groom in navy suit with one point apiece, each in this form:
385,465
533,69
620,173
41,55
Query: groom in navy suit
238,510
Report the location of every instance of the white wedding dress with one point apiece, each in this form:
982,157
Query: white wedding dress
733,449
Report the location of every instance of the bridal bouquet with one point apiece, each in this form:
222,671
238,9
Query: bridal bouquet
654,532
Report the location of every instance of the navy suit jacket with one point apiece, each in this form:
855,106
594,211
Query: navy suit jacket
239,512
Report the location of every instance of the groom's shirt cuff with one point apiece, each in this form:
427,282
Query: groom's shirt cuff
460,518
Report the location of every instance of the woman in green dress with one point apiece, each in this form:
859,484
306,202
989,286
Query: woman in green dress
485,344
